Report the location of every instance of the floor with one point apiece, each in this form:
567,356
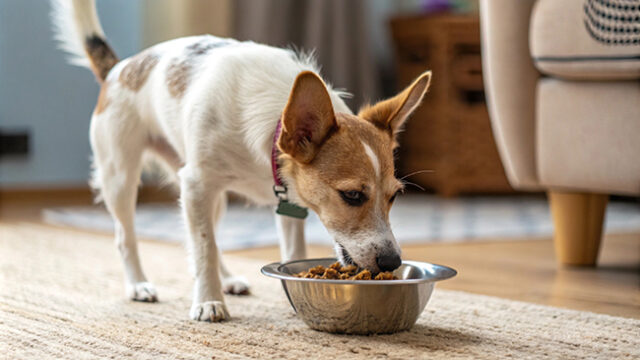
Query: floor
442,220
527,271
522,270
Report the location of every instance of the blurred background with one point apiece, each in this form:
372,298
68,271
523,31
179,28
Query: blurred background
45,104
372,48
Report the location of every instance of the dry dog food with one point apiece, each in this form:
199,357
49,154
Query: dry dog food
338,272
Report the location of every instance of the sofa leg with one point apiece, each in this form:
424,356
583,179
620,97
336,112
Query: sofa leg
578,220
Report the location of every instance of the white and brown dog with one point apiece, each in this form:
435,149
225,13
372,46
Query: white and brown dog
213,110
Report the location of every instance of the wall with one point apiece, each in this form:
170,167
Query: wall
169,19
54,100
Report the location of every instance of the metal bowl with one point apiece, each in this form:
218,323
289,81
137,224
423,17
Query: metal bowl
359,306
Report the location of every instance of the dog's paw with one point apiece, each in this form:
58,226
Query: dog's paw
235,285
212,311
142,291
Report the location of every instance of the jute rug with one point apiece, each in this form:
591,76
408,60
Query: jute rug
61,297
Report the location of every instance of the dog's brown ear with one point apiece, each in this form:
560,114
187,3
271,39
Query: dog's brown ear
308,118
391,114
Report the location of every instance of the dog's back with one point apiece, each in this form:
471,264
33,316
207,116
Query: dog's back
226,93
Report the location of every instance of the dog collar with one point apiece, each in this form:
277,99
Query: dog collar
279,188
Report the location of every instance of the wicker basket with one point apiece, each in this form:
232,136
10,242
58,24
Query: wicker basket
450,133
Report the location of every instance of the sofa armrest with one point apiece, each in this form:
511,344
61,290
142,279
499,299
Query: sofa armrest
510,83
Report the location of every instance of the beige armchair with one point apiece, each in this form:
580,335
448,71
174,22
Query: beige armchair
563,86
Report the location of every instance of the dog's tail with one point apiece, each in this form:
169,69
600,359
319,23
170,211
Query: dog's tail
79,33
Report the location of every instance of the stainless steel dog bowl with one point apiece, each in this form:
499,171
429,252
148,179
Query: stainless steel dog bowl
359,306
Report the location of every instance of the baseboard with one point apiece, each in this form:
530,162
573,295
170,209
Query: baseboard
82,194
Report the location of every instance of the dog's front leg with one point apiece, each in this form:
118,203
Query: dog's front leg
198,194
291,235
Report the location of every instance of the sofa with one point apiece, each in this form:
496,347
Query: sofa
562,80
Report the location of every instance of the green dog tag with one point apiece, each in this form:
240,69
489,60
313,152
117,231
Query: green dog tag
288,209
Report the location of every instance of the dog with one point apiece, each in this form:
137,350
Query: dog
228,116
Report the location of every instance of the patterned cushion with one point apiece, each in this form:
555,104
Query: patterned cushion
586,39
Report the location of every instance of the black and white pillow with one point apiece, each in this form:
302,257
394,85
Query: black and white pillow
586,39
613,22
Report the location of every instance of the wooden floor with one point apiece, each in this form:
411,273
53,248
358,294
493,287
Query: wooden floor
518,270
527,271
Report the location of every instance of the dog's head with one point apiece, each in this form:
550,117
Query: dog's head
342,166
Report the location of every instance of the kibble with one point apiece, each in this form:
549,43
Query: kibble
338,272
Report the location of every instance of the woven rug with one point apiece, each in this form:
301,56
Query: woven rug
414,219
61,297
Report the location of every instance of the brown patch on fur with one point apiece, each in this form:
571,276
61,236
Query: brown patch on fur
103,101
390,114
308,118
326,154
137,70
199,48
342,164
179,70
178,77
203,46
101,57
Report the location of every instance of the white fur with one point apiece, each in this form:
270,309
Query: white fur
375,162
291,235
359,245
221,131
73,22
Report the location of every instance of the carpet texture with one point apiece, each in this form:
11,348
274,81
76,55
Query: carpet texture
61,297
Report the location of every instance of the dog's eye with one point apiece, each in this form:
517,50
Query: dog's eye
394,196
353,197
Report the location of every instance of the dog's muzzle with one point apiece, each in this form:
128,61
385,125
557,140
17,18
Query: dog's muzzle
345,257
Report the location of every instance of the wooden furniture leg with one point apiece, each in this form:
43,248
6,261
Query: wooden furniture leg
578,220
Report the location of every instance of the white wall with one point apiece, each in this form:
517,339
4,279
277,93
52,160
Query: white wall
52,99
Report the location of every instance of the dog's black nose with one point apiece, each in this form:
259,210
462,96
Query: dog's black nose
388,262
